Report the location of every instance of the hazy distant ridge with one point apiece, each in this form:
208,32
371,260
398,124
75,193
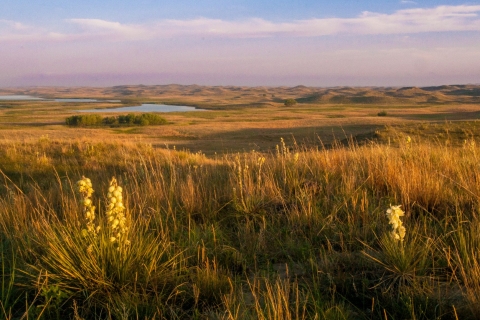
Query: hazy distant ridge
234,95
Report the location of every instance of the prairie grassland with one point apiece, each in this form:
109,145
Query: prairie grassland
227,128
296,233
251,210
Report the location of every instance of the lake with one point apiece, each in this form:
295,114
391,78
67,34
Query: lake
147,107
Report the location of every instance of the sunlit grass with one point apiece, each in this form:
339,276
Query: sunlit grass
298,233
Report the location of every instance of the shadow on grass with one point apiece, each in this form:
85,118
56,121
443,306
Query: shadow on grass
464,115
266,140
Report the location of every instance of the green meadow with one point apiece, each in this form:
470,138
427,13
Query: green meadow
312,211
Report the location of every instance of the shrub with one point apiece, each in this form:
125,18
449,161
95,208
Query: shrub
290,102
84,120
110,121
382,113
152,119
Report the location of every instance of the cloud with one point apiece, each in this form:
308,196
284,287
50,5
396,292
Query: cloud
12,30
13,25
407,2
406,21
109,28
419,20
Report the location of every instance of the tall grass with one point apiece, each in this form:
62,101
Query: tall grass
295,234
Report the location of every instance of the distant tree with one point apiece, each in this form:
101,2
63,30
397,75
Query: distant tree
151,119
90,120
290,102
84,120
72,121
110,121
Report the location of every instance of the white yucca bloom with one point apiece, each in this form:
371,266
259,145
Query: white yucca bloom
116,213
393,214
84,187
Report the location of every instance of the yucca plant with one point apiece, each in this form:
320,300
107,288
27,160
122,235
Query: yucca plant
406,261
88,263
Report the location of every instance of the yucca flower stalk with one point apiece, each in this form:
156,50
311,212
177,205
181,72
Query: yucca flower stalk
86,190
393,214
117,223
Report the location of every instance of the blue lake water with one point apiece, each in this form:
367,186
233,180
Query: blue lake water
76,100
147,107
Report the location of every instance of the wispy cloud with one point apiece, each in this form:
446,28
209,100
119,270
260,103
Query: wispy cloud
13,25
442,18
108,28
407,21
13,30
408,2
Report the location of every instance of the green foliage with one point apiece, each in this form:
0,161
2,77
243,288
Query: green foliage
87,120
144,119
290,102
53,300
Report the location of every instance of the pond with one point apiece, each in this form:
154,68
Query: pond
76,100
147,107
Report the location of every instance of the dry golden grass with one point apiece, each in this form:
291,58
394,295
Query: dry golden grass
295,234
291,230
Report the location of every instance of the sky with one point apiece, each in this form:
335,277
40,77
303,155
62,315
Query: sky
239,42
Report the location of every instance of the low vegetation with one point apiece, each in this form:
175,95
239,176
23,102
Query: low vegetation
95,120
290,102
378,231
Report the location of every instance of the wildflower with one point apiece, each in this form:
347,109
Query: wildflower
295,157
115,213
393,214
84,187
284,147
409,140
401,232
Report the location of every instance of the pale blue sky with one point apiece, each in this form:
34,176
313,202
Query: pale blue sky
221,42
